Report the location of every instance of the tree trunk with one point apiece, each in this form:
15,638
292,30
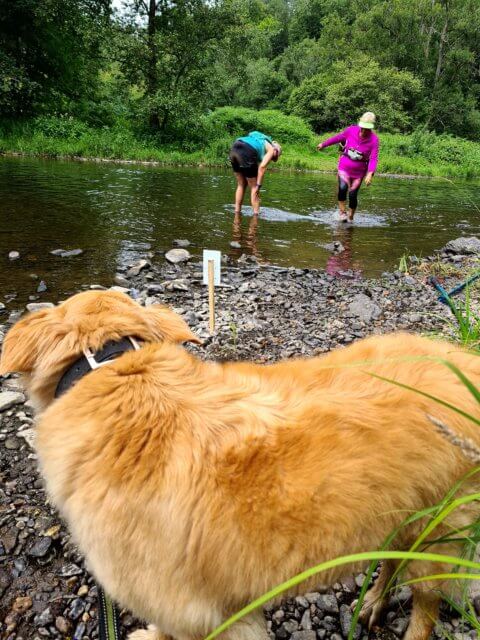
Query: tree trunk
441,45
152,80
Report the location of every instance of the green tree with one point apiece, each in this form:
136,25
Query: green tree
338,97
50,54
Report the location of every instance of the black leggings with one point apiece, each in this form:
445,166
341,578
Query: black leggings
344,188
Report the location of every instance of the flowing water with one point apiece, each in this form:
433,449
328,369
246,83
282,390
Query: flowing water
117,213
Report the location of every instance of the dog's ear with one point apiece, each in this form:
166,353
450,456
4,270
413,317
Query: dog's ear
26,341
168,325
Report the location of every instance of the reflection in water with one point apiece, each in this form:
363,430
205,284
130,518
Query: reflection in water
340,262
117,214
250,244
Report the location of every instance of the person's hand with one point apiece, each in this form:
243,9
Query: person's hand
319,146
368,179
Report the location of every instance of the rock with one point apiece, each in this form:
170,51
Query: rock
66,253
463,245
12,443
120,289
235,245
62,625
181,243
290,626
42,286
22,604
121,281
10,398
38,306
327,603
364,308
399,626
45,618
346,622
5,581
77,607
306,621
335,247
29,436
175,256
180,284
137,267
13,255
303,635
69,570
40,547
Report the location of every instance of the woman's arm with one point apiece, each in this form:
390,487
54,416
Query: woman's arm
263,165
339,137
373,160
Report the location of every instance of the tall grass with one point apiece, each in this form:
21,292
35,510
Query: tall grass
466,324
420,153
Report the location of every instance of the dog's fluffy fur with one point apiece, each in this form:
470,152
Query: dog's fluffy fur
193,487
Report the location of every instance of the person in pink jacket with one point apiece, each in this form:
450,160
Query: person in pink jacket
358,161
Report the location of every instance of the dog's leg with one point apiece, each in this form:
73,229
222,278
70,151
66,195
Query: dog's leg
252,627
151,633
426,606
375,600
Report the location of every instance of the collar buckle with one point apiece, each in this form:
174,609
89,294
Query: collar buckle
96,365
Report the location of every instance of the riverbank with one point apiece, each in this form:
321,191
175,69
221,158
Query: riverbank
420,153
263,314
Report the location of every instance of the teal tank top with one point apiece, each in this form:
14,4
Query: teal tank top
257,139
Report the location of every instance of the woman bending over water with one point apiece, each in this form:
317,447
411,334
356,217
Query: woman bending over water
250,157
358,161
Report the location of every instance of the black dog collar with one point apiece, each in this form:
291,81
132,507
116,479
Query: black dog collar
90,361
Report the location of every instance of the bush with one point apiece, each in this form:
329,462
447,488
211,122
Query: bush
238,121
60,127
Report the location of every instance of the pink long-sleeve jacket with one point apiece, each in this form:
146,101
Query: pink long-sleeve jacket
360,155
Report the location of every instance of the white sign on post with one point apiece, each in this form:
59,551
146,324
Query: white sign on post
216,256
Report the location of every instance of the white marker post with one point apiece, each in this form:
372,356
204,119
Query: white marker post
211,277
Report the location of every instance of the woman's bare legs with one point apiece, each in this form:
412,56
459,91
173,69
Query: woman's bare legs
255,195
240,192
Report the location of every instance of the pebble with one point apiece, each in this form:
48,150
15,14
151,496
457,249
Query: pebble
42,286
39,306
327,603
41,547
181,243
9,399
22,604
13,255
176,256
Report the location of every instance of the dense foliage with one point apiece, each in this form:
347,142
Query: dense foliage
159,67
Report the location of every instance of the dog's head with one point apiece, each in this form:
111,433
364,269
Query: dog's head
43,344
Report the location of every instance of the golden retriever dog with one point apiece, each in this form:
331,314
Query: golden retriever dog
193,487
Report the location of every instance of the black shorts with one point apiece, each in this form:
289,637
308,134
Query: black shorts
244,159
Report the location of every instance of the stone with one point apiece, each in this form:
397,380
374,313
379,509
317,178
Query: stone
364,308
181,243
5,581
29,436
463,245
121,281
42,286
69,570
45,618
346,622
306,621
12,443
39,306
9,399
327,603
304,635
137,267
399,626
235,245
290,626
62,625
176,256
77,607
67,253
13,255
22,604
40,547
180,284
120,289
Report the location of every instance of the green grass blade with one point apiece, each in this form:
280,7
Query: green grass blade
338,562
